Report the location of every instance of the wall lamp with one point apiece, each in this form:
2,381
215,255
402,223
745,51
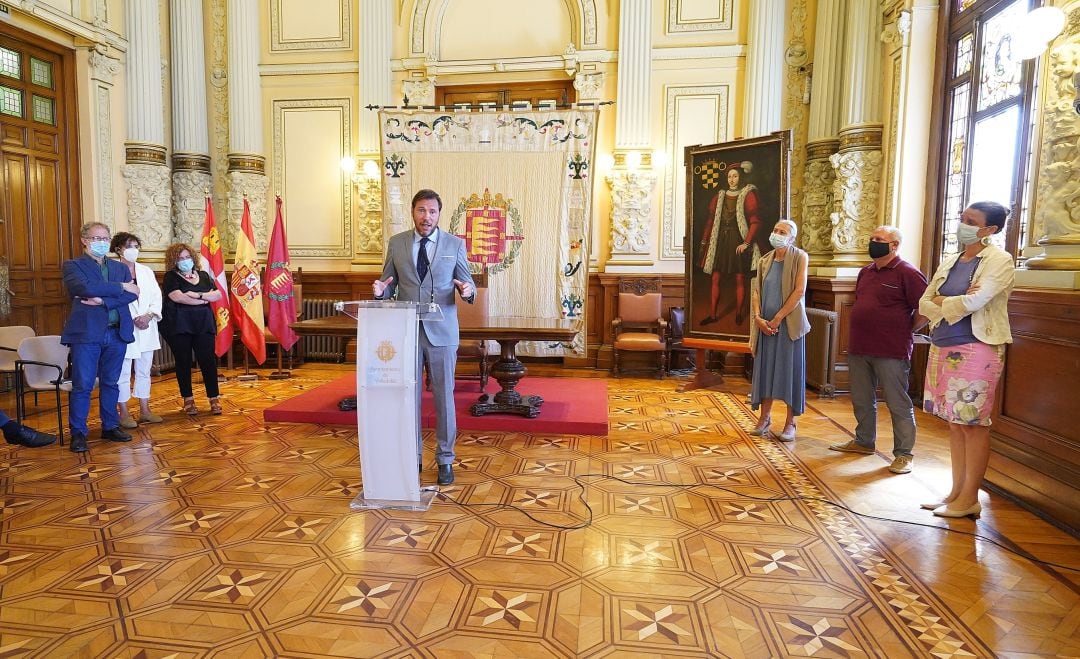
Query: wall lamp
1033,33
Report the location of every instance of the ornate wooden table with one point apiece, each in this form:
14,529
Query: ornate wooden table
508,371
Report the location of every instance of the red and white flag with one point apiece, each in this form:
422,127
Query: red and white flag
246,290
279,284
213,262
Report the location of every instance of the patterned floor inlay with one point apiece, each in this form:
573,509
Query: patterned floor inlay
227,536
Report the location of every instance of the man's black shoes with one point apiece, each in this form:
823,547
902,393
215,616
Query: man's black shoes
446,474
30,438
115,435
78,443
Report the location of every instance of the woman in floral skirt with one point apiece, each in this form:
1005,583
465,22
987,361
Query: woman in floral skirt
967,304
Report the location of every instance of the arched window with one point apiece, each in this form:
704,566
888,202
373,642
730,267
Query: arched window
985,121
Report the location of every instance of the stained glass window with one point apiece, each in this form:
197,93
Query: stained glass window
9,63
984,152
44,110
1000,71
964,51
41,73
11,101
954,186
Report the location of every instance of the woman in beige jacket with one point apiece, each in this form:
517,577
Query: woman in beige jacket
967,304
778,330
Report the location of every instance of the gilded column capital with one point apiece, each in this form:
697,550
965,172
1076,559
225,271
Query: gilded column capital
147,154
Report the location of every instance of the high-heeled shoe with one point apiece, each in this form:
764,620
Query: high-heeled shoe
189,407
762,428
789,434
945,511
215,406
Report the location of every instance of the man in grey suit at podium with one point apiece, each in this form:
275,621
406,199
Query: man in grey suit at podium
427,266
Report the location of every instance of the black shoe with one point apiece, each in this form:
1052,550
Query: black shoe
115,435
78,443
31,438
739,317
709,321
446,474
420,467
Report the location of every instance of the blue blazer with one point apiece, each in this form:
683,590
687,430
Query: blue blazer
87,324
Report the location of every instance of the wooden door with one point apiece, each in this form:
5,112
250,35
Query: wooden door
39,214
560,91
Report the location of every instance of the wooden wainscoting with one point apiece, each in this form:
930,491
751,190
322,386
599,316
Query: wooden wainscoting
1035,442
835,295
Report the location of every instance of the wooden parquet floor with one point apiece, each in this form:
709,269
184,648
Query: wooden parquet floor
228,537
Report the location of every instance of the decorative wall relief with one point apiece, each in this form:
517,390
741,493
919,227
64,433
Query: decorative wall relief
189,205
855,193
149,203
256,187
631,208
1057,216
817,204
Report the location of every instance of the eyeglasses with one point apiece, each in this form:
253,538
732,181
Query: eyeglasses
99,239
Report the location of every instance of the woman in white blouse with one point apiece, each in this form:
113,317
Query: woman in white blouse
967,303
145,312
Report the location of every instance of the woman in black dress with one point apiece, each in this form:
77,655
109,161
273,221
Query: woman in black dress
187,322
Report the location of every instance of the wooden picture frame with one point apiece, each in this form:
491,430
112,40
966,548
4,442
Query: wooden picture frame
718,273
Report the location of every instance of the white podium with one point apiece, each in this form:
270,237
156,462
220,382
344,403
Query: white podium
387,413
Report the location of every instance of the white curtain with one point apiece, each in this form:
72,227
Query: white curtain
517,185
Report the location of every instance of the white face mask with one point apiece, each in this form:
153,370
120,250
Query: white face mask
131,254
966,234
778,241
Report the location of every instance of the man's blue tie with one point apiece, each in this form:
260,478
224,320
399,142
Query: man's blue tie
422,262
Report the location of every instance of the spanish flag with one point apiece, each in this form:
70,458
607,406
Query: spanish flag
245,290
213,262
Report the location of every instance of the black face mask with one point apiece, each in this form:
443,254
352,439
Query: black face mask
878,250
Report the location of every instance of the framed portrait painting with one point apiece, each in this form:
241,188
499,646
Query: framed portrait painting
736,192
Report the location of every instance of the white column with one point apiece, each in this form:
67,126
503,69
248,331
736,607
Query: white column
245,95
247,164
146,172
858,163
632,125
377,88
376,77
145,105
862,64
917,29
823,127
828,61
764,67
191,142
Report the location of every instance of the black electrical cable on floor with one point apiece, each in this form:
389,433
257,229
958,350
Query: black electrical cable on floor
587,520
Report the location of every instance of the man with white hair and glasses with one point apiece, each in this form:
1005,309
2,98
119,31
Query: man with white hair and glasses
883,318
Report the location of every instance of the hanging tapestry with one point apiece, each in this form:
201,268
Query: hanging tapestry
516,185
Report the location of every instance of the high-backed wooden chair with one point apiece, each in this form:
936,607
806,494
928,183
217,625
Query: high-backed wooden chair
676,333
476,315
473,315
639,325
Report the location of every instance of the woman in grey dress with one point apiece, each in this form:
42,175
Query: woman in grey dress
778,330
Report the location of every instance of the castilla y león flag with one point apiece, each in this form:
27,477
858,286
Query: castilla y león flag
246,290
279,284
213,262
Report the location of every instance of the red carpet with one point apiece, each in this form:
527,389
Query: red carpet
575,406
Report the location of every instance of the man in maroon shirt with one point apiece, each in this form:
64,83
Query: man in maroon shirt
883,318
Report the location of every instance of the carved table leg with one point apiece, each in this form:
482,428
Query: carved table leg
508,371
